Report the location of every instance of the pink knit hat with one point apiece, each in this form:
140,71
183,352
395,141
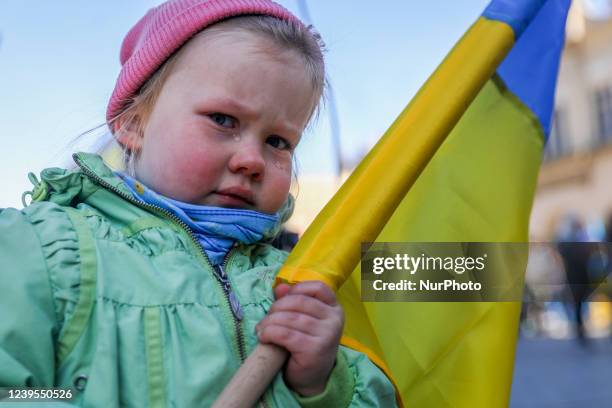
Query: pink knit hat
164,29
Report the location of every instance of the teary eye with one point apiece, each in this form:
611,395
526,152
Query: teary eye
278,143
223,120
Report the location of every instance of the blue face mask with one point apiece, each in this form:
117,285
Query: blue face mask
216,228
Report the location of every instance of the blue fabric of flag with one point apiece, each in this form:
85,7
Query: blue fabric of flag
516,13
535,84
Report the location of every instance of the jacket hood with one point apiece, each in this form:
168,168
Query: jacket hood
69,187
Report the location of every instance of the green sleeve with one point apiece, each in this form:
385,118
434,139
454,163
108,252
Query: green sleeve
28,323
354,382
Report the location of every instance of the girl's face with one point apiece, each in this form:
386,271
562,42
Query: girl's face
225,124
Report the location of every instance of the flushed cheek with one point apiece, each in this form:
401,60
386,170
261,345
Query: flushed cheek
199,170
281,167
277,192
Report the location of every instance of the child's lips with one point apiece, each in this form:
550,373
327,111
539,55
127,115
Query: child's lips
236,196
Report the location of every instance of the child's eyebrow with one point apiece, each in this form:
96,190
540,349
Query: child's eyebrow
233,105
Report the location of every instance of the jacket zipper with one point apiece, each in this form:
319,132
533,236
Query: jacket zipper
221,277
238,315
233,303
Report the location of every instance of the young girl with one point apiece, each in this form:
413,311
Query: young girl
150,287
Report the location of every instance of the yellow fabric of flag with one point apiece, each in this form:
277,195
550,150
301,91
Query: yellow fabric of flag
460,164
478,187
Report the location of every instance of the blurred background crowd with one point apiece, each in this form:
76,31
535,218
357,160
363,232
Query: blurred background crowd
573,200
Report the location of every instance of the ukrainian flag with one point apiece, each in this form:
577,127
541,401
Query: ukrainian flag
484,117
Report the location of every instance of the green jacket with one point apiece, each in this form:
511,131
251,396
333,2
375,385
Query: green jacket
118,301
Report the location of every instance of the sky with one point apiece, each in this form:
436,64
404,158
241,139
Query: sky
59,61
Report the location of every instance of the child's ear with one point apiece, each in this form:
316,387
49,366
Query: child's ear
128,132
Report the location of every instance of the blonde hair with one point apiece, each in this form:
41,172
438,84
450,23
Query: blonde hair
288,35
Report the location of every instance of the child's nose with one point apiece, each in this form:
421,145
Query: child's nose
248,160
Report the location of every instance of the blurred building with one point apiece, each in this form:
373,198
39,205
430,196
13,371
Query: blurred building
576,176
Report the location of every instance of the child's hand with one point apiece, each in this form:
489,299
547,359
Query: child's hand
307,321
